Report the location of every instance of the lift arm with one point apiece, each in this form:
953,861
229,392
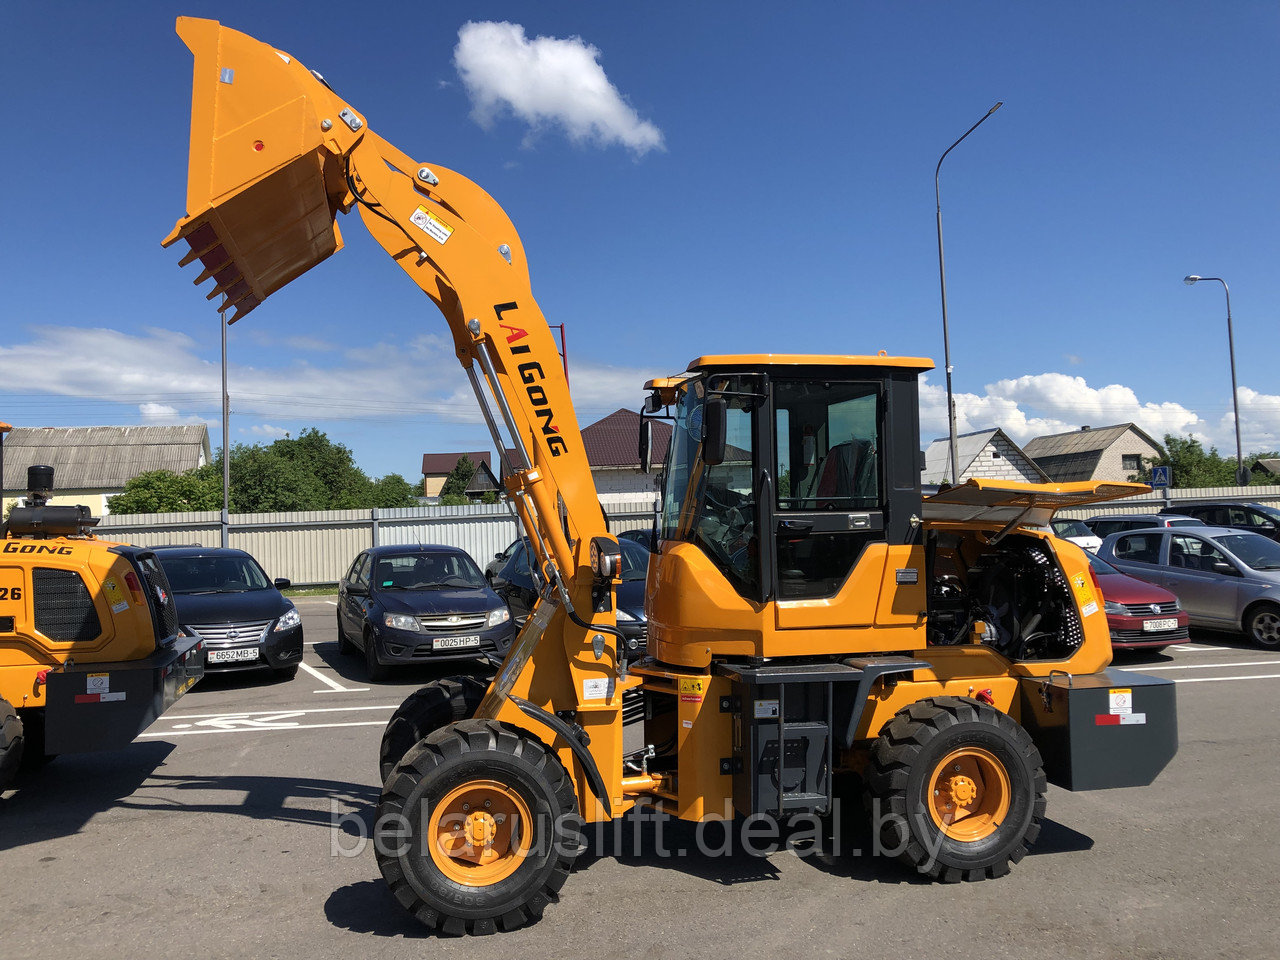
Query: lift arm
275,156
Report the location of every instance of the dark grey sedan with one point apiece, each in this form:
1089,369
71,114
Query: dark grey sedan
1225,579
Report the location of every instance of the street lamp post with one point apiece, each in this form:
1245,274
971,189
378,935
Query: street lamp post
942,276
1242,475
226,441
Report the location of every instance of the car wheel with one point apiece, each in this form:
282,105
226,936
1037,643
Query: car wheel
285,673
377,671
345,646
425,711
478,829
11,742
957,789
1262,626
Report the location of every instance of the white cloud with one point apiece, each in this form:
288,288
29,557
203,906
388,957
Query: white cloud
267,431
547,82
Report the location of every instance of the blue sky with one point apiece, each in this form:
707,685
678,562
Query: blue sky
762,181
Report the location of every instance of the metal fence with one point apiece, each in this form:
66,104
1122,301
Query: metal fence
316,547
1157,500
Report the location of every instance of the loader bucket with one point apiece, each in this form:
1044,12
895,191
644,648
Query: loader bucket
264,181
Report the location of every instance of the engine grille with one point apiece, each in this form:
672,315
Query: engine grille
161,596
454,623
1131,636
63,607
216,634
1168,608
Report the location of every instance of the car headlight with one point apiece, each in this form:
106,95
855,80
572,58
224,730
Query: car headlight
401,621
290,620
1110,606
501,615
624,616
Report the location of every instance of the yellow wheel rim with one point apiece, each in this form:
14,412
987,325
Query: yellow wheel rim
969,794
479,833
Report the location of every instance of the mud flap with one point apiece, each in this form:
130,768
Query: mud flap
1103,730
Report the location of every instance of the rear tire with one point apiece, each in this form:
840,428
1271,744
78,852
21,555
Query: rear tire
1262,626
11,744
960,789
377,672
425,711
477,779
345,646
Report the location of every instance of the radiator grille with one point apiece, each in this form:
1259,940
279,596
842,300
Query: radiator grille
63,606
161,595
454,623
216,634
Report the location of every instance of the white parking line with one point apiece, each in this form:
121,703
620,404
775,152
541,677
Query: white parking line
334,686
1209,666
1193,647
1258,676
261,728
269,713
332,603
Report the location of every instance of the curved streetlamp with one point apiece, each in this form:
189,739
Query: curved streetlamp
1242,475
942,276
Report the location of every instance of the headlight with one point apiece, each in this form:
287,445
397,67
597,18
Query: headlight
289,620
501,615
1110,606
401,621
1176,606
623,615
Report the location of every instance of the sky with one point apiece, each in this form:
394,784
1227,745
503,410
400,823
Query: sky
687,179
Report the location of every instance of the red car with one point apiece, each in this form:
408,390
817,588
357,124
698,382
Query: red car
1141,615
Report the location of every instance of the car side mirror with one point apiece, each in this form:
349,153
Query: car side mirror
715,426
357,590
282,583
1221,566
646,446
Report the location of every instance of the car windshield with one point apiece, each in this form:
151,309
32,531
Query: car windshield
1253,550
1071,528
1099,565
426,571
635,560
1187,522
1271,512
217,574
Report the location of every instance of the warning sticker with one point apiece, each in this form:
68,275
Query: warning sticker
115,596
692,689
766,709
431,225
1119,719
1084,592
1089,609
1121,700
97,683
596,688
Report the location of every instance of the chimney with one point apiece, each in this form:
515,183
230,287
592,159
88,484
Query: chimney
1084,428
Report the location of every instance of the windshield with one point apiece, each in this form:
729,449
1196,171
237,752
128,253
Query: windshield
1253,550
1188,522
1071,528
219,574
1101,566
1271,512
635,560
426,571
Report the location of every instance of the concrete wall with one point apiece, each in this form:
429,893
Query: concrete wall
317,547
1111,465
1000,460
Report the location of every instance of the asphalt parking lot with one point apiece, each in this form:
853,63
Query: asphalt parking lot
227,829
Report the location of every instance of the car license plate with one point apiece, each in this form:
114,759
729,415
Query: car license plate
455,643
1150,626
239,655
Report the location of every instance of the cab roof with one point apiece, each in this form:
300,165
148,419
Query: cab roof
881,359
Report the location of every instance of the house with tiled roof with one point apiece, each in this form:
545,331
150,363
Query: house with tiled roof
612,446
91,464
436,467
1094,453
983,453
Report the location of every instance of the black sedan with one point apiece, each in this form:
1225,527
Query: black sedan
514,584
417,604
225,597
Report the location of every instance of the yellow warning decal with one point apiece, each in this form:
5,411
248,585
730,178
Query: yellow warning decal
115,596
431,225
1083,590
692,689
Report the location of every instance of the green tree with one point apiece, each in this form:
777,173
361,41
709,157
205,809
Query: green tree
393,490
455,484
1191,465
163,491
345,486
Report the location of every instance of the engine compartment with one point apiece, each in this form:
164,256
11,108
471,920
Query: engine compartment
1015,588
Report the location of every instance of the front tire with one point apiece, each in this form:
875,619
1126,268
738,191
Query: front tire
11,744
1262,626
377,671
477,829
960,789
425,711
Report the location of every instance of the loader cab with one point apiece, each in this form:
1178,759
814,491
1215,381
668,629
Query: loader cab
783,470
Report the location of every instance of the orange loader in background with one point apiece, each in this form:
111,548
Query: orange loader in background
810,612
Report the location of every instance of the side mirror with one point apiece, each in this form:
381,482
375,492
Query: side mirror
1221,566
282,583
646,446
715,424
357,590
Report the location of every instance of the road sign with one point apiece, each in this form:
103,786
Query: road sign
1162,477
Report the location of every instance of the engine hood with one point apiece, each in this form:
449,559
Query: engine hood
236,607
1121,588
434,602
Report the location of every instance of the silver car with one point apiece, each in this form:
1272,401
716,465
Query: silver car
1225,579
